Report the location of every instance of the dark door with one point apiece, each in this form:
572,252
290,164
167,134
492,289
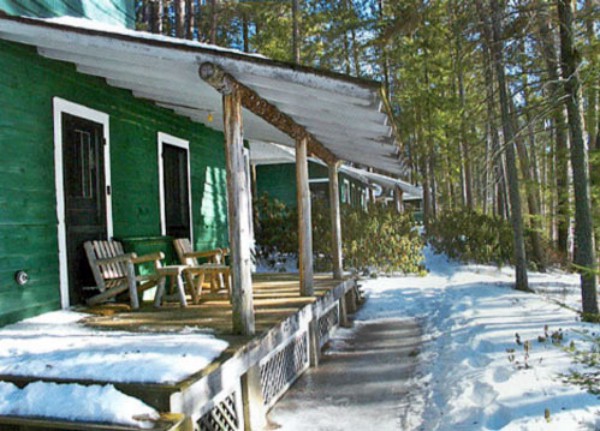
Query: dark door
85,196
177,203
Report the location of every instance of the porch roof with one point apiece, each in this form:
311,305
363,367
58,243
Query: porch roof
347,115
262,153
416,192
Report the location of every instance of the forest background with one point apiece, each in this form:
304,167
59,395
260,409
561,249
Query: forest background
496,104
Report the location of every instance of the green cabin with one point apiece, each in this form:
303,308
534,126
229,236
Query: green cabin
278,181
274,168
84,160
109,133
113,12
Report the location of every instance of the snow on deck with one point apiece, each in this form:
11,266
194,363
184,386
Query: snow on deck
56,345
72,402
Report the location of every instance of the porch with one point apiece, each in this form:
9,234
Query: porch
235,391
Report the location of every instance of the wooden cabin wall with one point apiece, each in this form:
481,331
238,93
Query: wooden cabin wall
28,222
114,12
279,181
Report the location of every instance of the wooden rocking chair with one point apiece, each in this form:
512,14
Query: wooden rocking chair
215,270
114,271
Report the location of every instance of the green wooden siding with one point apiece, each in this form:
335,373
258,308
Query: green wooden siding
279,182
28,226
115,12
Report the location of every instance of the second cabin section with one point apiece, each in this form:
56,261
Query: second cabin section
278,181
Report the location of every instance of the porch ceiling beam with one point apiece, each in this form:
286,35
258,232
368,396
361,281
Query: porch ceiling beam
225,83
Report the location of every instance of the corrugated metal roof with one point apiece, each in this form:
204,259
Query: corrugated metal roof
347,115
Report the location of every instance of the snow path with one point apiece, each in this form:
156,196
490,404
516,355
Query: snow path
465,378
360,380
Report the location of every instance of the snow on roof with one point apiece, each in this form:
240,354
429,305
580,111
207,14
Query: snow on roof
348,115
86,23
73,402
57,345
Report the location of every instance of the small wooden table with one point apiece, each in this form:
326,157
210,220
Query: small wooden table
175,272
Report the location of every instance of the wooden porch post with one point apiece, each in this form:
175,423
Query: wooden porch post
399,204
305,252
238,197
336,223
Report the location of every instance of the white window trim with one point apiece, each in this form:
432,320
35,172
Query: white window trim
346,194
165,138
318,180
62,106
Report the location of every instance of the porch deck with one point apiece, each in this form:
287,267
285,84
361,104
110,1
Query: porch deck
290,332
276,297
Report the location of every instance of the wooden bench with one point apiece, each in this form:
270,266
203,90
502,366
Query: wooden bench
114,271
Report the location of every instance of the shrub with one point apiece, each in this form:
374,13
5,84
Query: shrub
275,226
379,238
382,239
470,236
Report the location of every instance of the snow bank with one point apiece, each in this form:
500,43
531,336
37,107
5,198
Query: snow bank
70,402
54,345
468,377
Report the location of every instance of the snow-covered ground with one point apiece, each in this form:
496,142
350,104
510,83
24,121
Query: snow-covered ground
473,373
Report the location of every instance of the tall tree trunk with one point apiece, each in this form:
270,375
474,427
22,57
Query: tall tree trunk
180,18
560,133
345,12
213,21
493,137
385,61
189,19
245,32
147,15
464,146
532,198
296,31
158,12
355,48
592,92
433,184
584,232
426,192
511,162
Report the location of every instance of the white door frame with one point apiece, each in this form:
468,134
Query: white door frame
62,106
165,138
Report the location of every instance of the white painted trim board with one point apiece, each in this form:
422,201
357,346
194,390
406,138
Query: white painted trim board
165,138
